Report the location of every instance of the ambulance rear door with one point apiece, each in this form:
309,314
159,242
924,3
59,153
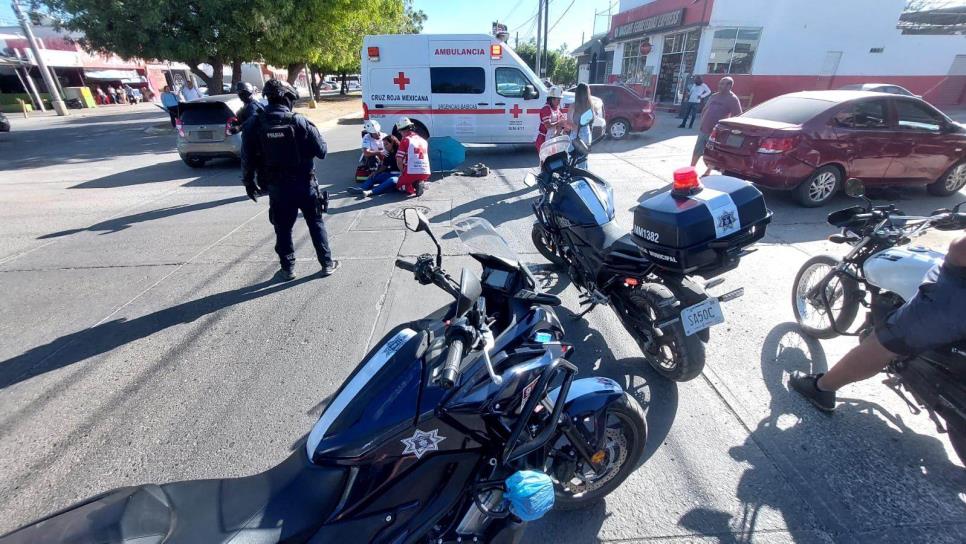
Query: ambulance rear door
462,89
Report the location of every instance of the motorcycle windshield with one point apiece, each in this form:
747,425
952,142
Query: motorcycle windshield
553,146
481,237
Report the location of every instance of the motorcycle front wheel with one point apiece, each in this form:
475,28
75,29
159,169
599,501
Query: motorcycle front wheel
843,295
674,355
541,240
625,436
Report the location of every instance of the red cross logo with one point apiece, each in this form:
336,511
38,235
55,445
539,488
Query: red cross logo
401,80
516,111
420,152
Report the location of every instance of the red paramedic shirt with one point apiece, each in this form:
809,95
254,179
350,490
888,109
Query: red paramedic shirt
413,159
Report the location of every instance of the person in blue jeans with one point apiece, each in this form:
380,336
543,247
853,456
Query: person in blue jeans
385,178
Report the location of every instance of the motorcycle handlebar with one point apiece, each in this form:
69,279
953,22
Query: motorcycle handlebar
451,369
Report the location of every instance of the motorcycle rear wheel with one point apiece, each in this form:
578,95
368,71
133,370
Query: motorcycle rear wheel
844,295
626,435
539,236
674,355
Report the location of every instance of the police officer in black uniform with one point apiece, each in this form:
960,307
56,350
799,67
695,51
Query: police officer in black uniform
246,92
279,147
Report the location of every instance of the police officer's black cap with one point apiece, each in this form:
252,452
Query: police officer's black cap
244,87
276,89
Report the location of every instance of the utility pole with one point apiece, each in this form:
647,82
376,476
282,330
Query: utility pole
55,99
517,44
546,32
539,26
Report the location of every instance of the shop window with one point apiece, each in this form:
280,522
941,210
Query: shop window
633,65
511,82
458,80
914,116
870,114
733,50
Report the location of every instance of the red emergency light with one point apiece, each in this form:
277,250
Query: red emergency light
686,181
373,54
496,51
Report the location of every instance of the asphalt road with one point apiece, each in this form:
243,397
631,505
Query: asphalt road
142,339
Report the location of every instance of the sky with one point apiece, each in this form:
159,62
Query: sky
475,17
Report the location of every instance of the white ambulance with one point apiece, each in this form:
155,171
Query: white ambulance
469,86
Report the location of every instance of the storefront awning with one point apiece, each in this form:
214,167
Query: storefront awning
124,76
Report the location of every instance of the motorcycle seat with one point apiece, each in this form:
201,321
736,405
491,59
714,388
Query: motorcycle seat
288,501
624,247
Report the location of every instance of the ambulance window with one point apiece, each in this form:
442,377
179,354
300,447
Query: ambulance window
511,82
458,80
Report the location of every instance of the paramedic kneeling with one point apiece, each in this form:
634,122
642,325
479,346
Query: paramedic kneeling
412,157
930,320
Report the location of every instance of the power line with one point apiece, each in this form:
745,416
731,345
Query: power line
561,16
512,11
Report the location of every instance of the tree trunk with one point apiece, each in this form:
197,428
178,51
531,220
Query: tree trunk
293,71
215,80
236,72
344,88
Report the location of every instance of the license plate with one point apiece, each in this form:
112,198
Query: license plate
734,140
205,135
701,316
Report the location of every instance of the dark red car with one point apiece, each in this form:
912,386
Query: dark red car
624,110
811,142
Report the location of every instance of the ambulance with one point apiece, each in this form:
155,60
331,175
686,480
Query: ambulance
471,87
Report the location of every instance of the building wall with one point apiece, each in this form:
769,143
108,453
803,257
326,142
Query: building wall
797,35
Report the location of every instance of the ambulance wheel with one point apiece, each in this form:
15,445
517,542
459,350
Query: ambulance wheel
421,130
820,187
674,355
618,129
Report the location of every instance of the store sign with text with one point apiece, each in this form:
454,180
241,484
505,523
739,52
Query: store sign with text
655,23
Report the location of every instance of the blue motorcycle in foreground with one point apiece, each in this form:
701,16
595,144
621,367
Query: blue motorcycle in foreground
456,428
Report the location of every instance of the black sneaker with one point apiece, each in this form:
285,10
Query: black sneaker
807,386
286,274
328,269
420,188
356,190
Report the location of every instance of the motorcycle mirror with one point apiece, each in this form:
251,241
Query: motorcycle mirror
415,220
854,188
587,118
529,180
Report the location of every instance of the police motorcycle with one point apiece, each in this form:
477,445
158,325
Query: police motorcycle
697,227
455,428
880,273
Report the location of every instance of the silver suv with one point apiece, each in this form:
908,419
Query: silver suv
205,129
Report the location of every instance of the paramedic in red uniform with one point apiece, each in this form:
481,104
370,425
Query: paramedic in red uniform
412,157
552,120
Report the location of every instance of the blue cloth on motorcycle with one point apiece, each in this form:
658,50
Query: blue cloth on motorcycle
530,494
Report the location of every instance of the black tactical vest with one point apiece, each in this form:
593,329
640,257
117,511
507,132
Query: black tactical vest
279,147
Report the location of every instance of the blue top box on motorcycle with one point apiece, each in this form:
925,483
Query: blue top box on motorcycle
701,226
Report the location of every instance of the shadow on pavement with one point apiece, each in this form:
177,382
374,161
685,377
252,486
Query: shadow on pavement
99,339
118,224
593,357
851,471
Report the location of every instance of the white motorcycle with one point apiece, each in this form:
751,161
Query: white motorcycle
881,272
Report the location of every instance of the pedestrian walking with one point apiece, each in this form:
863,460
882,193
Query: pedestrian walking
189,92
170,100
278,152
720,105
697,92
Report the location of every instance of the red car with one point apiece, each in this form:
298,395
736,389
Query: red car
625,110
811,142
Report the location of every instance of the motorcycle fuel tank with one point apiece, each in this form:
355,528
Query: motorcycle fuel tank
584,202
901,269
379,399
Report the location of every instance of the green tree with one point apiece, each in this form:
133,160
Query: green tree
561,67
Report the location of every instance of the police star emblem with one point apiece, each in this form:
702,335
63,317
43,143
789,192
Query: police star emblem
727,220
422,442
